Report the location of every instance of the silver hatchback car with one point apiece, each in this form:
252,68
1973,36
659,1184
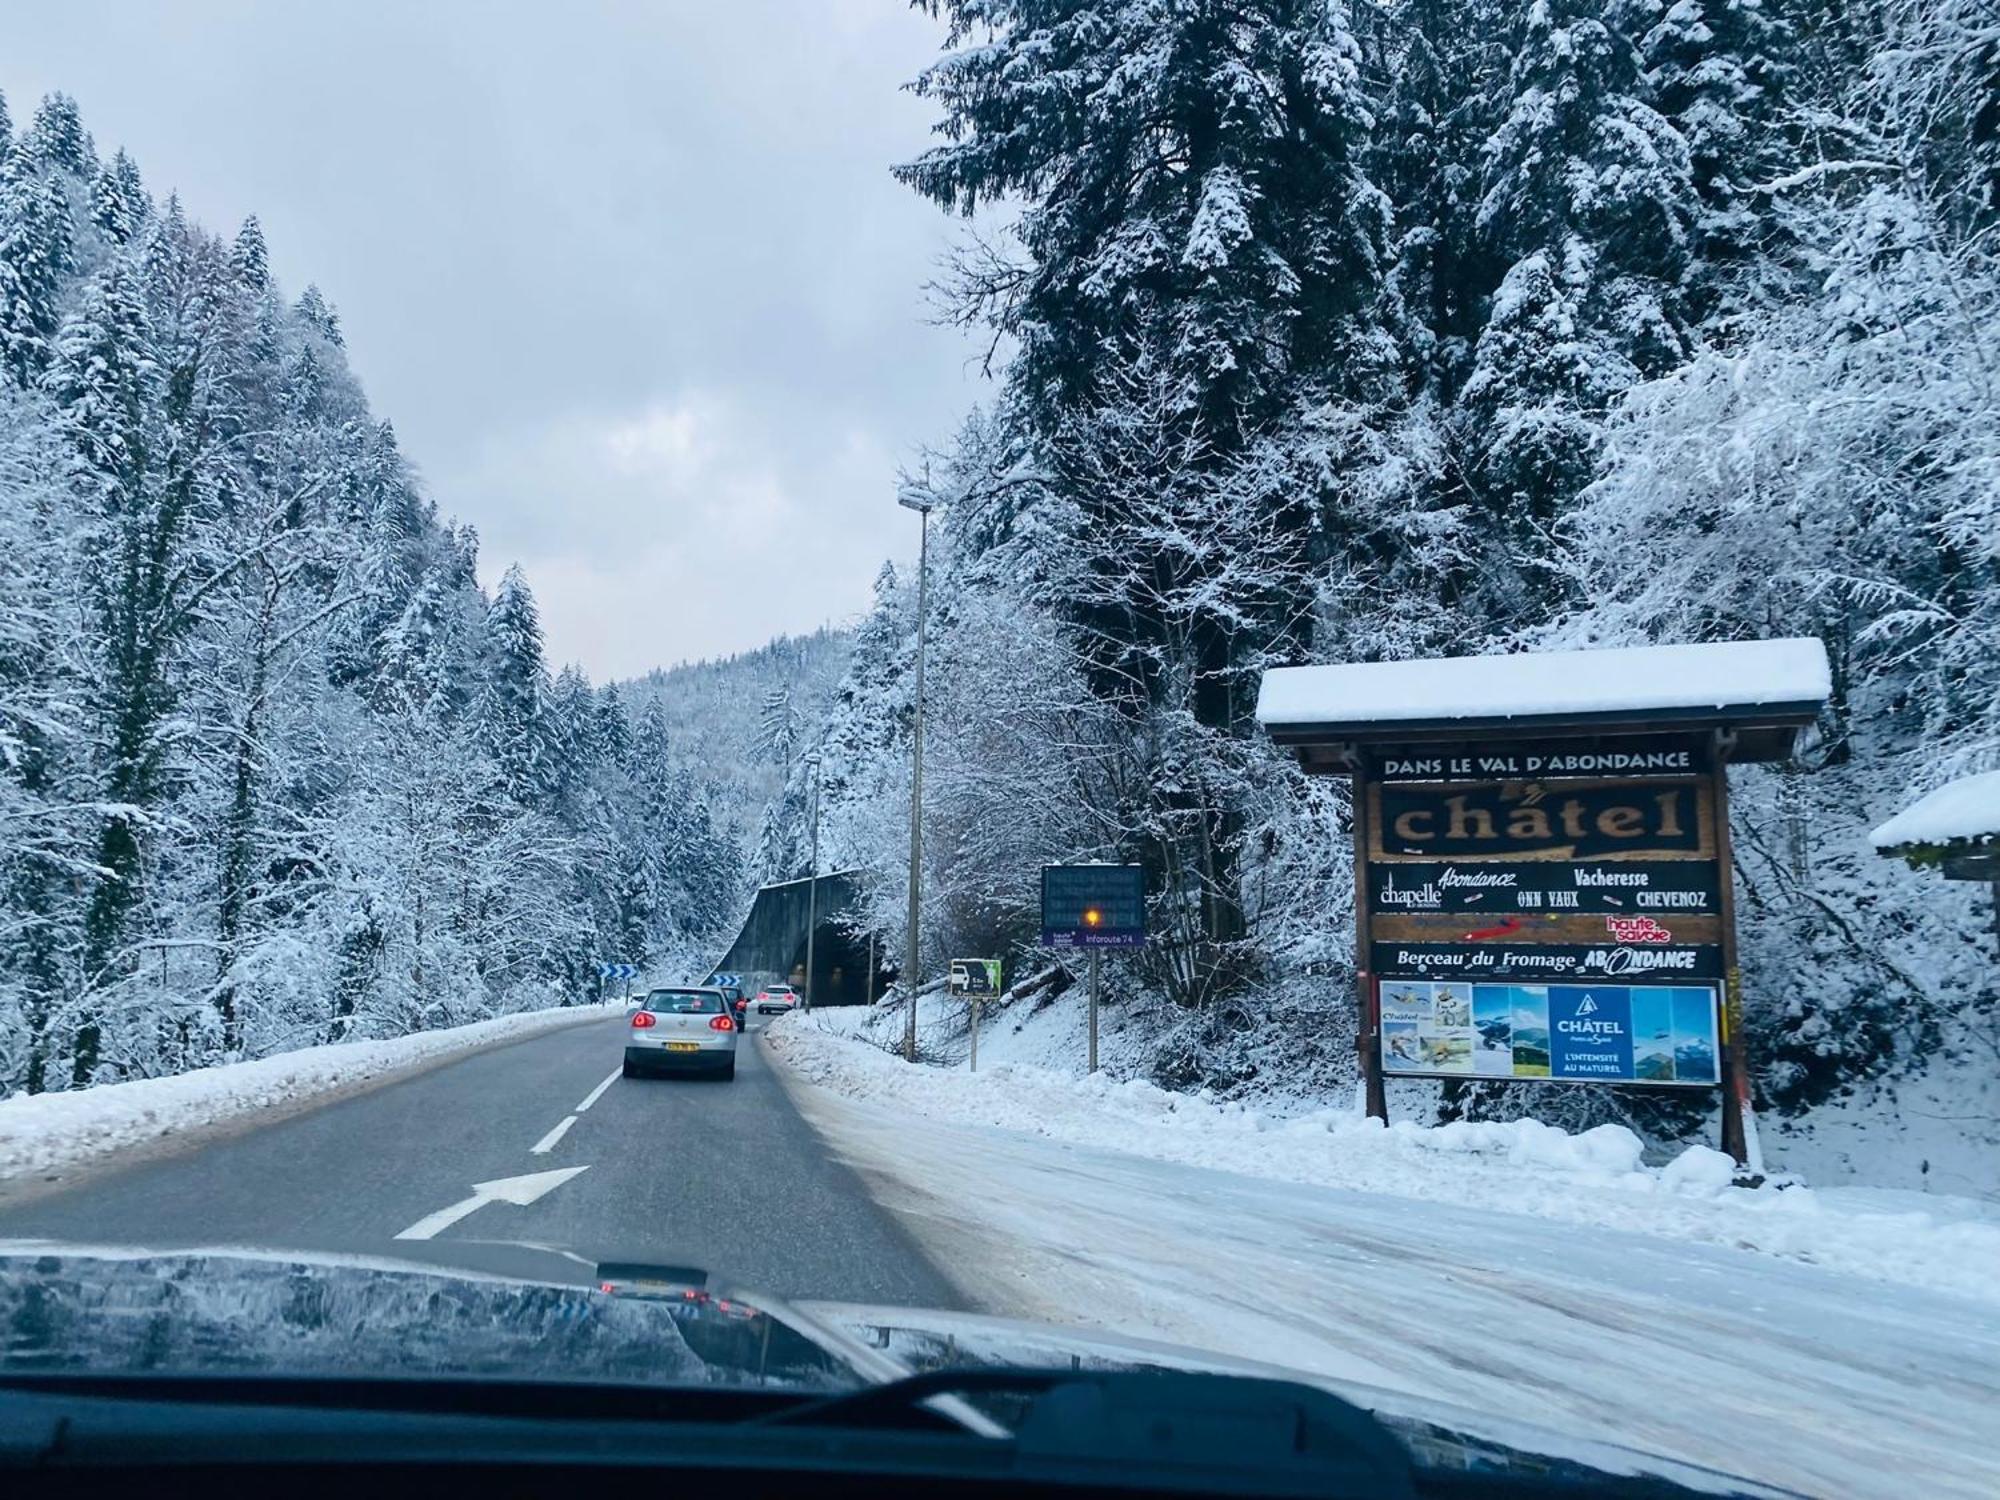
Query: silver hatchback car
681,1029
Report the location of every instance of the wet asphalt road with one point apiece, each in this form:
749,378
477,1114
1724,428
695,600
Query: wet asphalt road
725,1176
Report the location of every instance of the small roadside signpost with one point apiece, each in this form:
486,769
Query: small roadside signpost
1093,907
975,978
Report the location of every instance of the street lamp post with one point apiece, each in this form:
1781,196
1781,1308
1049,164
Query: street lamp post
923,509
812,883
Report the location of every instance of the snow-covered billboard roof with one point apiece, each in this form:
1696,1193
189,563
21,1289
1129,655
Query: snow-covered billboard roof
1783,681
1963,811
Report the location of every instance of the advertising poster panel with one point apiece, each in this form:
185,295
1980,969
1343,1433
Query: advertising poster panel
1568,1033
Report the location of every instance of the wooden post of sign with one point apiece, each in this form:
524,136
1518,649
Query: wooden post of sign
1368,1026
1739,1130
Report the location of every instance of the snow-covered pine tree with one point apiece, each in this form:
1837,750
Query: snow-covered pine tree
571,713
424,659
1442,101
107,387
319,316
1589,204
249,257
58,139
44,812
35,243
613,732
1721,72
1193,187
118,202
512,702
778,727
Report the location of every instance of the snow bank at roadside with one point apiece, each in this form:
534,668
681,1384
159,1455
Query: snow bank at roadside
42,1133
1522,1166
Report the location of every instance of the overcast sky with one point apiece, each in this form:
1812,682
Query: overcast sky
631,279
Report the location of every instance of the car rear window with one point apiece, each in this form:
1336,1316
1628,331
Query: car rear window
684,1003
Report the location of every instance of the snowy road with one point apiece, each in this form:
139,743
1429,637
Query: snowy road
725,1176
1783,1372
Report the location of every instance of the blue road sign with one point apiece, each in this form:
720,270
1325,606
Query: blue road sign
726,981
1093,906
617,971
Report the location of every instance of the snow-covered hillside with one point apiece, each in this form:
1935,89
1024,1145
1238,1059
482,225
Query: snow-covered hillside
743,721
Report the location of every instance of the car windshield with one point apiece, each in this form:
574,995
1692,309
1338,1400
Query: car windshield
1300,686
684,1003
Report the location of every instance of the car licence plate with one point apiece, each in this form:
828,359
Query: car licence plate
682,1047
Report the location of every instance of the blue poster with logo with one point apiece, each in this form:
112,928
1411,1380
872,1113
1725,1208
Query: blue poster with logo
1590,1032
1568,1033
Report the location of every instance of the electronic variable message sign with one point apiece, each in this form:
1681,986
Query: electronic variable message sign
1093,906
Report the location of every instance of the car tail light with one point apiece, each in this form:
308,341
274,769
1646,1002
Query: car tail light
642,1018
722,1023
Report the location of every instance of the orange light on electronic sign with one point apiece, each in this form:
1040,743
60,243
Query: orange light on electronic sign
1092,917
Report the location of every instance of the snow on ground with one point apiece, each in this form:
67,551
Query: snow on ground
1496,1268
1519,1167
1968,809
1937,1136
47,1133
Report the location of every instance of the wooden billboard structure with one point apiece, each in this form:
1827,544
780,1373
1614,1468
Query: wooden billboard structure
1542,868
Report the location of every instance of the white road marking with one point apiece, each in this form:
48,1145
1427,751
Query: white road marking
598,1093
520,1191
547,1143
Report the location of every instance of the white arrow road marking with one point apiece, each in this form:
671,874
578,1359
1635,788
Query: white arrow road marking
598,1093
548,1142
520,1191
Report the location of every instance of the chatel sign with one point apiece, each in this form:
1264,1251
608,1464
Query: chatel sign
1546,895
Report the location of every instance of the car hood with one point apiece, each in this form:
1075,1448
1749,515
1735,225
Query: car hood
619,1319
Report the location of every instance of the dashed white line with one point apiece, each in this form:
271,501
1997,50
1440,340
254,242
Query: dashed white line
598,1093
548,1142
